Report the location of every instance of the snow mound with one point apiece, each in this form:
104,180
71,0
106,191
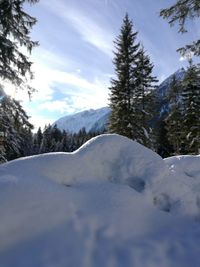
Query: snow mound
108,157
91,208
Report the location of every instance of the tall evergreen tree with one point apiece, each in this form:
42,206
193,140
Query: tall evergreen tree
131,100
37,140
65,142
14,122
144,101
121,96
191,104
174,118
15,25
46,140
39,136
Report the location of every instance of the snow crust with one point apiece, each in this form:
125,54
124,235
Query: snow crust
113,202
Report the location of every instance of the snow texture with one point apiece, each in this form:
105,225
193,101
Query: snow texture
111,203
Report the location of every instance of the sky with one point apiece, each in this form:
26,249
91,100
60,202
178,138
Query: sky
73,64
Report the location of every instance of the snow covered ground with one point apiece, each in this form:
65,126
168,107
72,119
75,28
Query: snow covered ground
112,203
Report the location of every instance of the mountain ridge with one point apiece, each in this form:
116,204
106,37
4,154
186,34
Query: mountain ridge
93,120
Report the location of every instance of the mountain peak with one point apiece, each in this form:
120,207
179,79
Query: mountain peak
91,120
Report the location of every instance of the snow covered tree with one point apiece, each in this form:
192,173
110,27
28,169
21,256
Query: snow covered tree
46,140
121,96
38,137
179,13
37,140
14,123
15,25
51,141
174,118
65,142
191,104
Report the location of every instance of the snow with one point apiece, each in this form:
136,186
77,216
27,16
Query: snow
102,205
183,185
88,119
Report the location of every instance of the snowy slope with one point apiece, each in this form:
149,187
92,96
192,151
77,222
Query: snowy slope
91,120
100,206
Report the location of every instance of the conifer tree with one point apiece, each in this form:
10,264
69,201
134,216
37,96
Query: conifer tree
121,96
39,136
37,141
15,25
46,140
65,142
131,100
144,101
174,118
14,122
191,104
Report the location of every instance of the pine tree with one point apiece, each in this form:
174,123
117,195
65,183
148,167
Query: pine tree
37,140
191,104
39,137
46,140
174,118
121,96
65,142
14,122
15,25
131,100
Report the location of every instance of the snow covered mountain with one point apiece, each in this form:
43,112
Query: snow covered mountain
113,202
91,120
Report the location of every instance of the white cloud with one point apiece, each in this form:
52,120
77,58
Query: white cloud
85,94
88,29
54,105
78,93
91,32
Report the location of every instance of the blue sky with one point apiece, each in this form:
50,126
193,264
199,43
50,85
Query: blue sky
73,64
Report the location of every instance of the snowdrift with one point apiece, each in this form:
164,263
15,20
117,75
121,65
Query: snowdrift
111,203
109,157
